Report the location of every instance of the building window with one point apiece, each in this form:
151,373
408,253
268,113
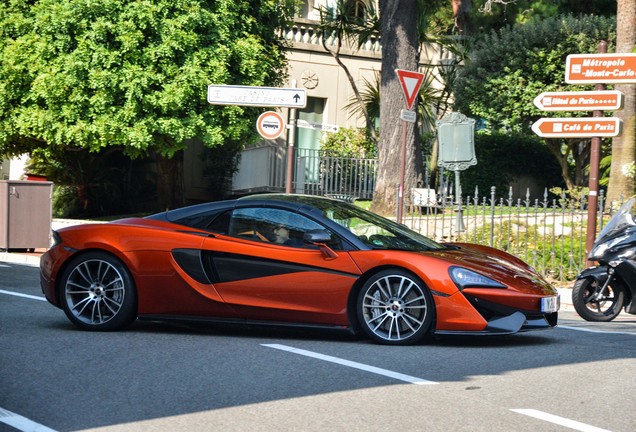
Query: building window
358,10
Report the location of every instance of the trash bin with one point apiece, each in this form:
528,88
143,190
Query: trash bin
25,214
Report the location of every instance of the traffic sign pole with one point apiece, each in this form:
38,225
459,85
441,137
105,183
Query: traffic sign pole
595,162
410,82
291,144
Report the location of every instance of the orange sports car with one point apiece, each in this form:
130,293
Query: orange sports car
281,259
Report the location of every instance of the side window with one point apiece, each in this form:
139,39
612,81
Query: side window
221,223
209,221
275,226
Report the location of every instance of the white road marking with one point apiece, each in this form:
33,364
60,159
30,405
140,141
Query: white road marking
21,423
583,329
351,364
22,295
559,420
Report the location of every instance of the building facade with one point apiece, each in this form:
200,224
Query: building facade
263,167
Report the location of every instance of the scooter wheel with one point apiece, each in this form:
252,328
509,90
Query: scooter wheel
592,307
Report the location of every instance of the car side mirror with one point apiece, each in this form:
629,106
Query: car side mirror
320,238
317,237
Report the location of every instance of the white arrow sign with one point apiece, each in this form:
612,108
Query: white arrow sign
580,101
316,126
257,96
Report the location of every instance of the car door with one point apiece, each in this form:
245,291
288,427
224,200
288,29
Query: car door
289,281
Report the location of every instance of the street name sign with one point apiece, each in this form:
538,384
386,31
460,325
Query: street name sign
600,68
411,83
583,127
257,96
316,126
270,125
580,101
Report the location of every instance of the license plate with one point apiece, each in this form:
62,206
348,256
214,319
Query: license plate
550,304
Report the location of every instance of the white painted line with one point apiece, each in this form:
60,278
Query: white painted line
22,295
351,364
559,420
21,423
582,329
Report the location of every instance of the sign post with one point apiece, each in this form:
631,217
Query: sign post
456,137
270,124
596,69
410,82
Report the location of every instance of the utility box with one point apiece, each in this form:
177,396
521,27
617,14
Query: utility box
25,214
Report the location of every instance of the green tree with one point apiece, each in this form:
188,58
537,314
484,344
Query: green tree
86,74
506,70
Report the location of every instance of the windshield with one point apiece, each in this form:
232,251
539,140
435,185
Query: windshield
376,231
622,219
373,230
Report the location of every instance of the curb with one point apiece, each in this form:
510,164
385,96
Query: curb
29,259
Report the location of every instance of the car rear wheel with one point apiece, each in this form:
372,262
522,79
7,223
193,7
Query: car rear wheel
395,308
98,293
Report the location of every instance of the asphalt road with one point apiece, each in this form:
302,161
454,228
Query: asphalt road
168,377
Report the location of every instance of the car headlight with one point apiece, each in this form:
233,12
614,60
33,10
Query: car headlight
465,278
55,239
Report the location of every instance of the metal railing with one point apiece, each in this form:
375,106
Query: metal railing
316,173
549,233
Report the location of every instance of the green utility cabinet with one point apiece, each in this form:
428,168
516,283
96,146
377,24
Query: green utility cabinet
25,214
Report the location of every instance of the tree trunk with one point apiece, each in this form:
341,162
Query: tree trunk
169,181
620,186
554,145
460,16
398,29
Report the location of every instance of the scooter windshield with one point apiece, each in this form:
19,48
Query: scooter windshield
622,219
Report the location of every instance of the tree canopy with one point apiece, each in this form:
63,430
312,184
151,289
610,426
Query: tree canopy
97,73
506,70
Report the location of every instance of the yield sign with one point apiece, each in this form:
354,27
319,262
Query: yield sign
411,83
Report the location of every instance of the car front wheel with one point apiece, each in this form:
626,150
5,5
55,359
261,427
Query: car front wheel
395,308
98,293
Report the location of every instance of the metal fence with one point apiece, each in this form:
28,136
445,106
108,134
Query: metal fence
318,173
263,169
549,233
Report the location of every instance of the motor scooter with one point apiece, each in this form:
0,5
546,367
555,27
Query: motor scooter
601,292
